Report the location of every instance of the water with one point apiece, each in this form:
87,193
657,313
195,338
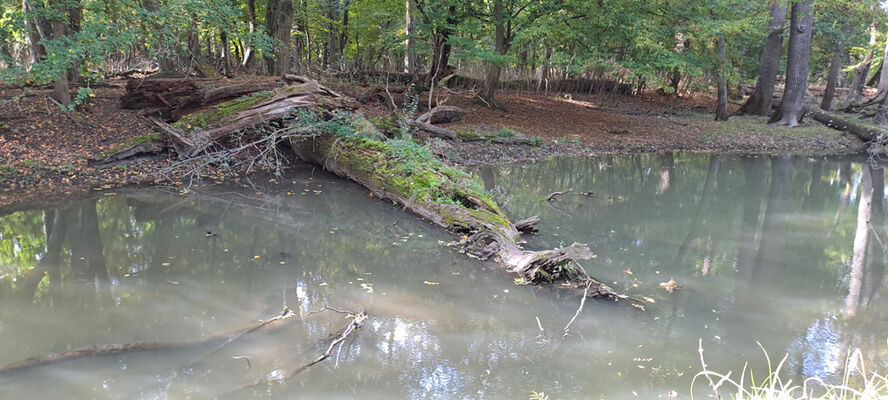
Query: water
762,249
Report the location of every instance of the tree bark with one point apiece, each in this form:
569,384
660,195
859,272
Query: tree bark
860,74
279,23
38,28
801,29
835,67
721,109
60,90
410,42
331,53
494,69
759,103
883,73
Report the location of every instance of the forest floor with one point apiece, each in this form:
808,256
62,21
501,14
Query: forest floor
44,151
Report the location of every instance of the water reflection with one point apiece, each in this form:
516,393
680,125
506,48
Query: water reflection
766,249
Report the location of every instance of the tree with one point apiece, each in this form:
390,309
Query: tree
791,107
862,70
759,103
279,23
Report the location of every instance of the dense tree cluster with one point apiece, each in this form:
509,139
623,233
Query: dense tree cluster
677,46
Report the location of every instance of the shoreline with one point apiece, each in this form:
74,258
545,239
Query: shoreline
44,151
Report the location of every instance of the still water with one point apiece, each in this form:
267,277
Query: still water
776,250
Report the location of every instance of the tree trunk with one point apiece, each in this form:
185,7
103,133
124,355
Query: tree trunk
60,89
791,107
883,73
441,49
331,54
248,51
494,69
279,23
860,74
759,103
38,29
410,42
307,28
721,109
164,61
835,67
881,117
343,36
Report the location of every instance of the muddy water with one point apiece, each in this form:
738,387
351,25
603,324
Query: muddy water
767,250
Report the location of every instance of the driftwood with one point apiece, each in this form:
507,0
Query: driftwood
356,323
552,196
528,225
114,349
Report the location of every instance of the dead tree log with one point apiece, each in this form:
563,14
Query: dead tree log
441,194
865,133
443,115
173,98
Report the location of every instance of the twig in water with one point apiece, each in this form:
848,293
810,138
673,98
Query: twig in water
551,196
712,384
353,326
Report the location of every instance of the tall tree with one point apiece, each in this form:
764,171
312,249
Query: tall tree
862,70
410,40
279,23
832,79
791,107
721,109
759,103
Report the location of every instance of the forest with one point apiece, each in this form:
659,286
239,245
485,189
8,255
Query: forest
677,47
443,198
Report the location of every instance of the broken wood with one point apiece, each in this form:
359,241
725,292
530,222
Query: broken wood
435,131
356,323
528,225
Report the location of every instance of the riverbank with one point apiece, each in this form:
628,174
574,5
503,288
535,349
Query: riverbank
44,151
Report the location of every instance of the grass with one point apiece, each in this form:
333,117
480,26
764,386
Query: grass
857,383
760,125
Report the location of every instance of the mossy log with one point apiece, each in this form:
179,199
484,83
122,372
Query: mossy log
172,98
865,133
398,170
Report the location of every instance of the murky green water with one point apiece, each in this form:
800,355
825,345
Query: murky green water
763,250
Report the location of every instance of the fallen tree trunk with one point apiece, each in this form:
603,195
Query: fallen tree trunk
173,98
865,133
399,170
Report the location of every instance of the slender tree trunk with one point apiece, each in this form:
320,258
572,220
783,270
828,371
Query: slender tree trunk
226,53
860,74
759,103
308,52
248,56
791,107
60,89
37,29
835,67
721,109
343,35
494,69
410,42
441,46
883,73
331,54
164,61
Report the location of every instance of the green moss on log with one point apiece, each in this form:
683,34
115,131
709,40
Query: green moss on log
202,119
123,146
409,170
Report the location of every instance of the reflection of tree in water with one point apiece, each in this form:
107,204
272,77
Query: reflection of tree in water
862,320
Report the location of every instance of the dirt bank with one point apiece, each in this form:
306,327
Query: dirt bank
44,151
